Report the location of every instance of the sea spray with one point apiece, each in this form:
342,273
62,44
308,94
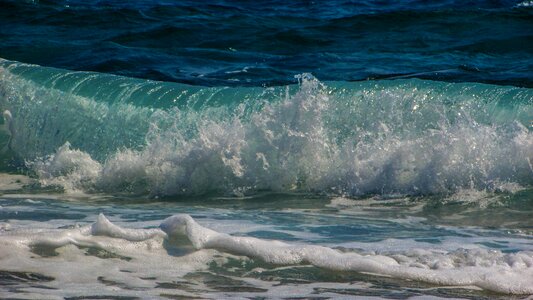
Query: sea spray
406,137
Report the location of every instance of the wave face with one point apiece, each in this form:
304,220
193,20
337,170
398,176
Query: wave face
103,133
230,43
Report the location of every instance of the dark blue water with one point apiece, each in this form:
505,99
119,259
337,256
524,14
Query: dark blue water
254,43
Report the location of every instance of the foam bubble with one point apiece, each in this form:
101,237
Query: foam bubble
485,269
104,248
96,260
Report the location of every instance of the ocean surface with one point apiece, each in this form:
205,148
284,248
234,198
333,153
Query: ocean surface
266,150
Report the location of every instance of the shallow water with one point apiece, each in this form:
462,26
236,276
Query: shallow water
45,238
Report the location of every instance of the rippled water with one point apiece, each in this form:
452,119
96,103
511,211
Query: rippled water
268,42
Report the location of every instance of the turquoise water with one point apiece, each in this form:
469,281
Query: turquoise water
276,150
91,132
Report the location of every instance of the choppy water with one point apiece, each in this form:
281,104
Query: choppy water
262,166
238,43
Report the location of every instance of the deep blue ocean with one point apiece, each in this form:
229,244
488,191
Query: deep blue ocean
266,149
258,43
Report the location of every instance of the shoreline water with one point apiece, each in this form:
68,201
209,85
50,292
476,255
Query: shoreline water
47,236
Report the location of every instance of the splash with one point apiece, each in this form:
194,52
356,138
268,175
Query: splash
405,137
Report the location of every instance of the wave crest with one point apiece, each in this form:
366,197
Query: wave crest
383,137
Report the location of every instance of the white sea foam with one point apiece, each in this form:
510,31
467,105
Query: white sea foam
146,253
486,269
525,4
95,260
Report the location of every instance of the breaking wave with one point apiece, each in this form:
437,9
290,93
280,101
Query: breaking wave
103,133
